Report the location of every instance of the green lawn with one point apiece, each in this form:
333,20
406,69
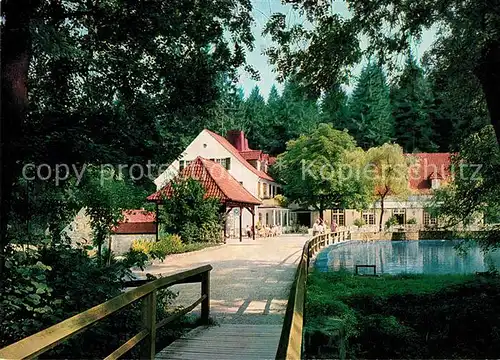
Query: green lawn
405,316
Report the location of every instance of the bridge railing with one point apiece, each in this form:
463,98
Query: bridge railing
291,340
37,344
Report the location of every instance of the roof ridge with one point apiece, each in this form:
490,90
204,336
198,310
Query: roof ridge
228,173
224,142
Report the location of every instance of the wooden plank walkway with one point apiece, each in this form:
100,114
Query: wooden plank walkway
225,342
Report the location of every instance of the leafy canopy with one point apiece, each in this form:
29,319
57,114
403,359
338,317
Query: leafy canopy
188,213
322,170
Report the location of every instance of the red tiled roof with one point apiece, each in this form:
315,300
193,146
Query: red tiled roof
251,154
224,142
272,160
215,179
428,166
136,222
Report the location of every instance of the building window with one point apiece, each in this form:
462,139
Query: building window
181,165
225,162
369,217
429,219
338,216
264,190
400,215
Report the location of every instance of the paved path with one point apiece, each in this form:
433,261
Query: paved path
250,281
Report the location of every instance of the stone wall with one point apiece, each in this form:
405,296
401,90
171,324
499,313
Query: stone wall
121,243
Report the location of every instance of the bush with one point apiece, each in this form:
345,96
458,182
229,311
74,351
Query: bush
411,221
168,245
282,200
45,286
393,221
359,223
188,213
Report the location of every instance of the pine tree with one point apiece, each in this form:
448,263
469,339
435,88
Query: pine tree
253,118
334,108
412,105
370,108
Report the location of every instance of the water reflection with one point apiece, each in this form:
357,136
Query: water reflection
395,257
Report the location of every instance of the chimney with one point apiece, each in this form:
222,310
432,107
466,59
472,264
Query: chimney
237,139
246,143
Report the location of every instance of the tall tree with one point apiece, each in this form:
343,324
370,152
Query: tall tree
390,173
110,81
321,170
370,108
253,117
334,109
473,194
412,103
467,40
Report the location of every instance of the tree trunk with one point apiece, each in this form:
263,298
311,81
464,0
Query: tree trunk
381,213
488,73
15,54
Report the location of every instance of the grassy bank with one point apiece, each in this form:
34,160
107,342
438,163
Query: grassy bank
406,316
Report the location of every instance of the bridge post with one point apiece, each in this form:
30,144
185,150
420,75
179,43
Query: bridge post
205,290
148,350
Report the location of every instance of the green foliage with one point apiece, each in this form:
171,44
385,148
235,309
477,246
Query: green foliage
474,193
190,215
321,51
390,173
47,285
393,221
404,316
282,200
319,170
359,222
370,108
411,221
166,245
412,101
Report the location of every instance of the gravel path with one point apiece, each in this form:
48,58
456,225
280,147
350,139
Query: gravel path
250,281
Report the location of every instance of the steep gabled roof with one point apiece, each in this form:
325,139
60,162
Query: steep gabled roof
229,147
216,180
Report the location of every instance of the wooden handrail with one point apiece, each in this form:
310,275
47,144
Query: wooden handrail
290,345
45,340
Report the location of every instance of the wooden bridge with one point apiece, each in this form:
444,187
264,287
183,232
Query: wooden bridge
228,341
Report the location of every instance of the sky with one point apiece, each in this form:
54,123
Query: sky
262,10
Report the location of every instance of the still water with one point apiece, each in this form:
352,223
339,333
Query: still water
414,257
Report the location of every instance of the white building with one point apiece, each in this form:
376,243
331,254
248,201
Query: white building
249,167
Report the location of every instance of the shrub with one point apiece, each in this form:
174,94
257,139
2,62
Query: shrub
393,221
188,213
282,200
359,223
411,221
169,244
45,286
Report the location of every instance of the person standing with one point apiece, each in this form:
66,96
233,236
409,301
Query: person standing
315,227
321,227
334,226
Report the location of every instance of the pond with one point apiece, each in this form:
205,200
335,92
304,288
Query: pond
413,257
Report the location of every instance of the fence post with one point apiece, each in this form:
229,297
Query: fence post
205,290
148,350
